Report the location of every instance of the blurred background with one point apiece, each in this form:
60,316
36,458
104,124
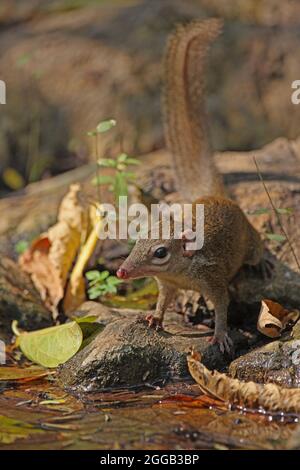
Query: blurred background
69,64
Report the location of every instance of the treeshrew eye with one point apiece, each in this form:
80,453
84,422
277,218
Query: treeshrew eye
161,252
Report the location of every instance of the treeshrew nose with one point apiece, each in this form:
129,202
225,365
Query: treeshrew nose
122,273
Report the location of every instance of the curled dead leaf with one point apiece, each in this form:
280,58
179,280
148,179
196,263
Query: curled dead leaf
249,395
44,274
273,318
70,231
50,257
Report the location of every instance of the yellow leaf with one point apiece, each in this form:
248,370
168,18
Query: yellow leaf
22,374
13,429
75,293
13,179
52,346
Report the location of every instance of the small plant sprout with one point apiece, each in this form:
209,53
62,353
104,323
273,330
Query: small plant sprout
278,213
119,181
102,127
101,284
263,210
21,246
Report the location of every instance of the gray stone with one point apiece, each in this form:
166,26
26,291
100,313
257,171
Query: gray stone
129,353
277,362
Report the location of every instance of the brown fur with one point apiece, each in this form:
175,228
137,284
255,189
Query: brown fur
229,239
184,111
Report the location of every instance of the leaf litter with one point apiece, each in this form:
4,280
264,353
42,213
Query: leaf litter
218,386
273,318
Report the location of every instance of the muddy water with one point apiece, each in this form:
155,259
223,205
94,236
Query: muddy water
41,415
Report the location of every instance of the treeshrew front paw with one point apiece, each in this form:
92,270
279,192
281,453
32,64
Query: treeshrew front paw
224,342
154,322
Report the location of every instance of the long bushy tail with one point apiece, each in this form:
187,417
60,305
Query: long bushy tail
185,119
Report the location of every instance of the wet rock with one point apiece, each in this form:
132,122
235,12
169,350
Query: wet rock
19,300
128,353
277,362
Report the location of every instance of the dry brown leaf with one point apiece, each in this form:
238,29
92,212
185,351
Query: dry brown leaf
273,318
67,235
249,395
44,274
51,256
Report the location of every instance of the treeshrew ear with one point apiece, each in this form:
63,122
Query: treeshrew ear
187,236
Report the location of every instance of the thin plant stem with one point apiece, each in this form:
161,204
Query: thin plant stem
97,170
277,214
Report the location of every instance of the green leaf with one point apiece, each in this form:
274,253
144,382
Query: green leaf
145,298
89,329
21,246
94,282
103,275
133,161
95,292
86,319
260,211
92,275
264,210
52,346
13,179
122,157
14,429
276,237
113,280
103,179
121,167
89,326
110,289
91,133
107,162
105,126
285,211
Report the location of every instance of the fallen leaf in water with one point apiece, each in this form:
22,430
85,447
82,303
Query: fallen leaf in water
273,318
269,397
13,429
23,374
57,401
52,346
66,427
201,401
